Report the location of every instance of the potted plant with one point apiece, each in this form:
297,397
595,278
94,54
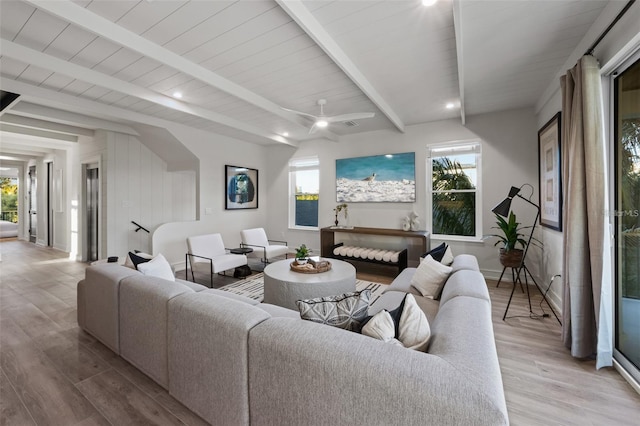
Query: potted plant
302,254
511,238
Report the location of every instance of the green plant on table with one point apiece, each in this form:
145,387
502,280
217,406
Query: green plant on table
302,252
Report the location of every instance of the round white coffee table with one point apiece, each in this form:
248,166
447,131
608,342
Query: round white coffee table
283,287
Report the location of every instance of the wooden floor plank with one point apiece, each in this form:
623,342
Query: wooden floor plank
122,403
47,394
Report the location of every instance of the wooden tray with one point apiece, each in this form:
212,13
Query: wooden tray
308,268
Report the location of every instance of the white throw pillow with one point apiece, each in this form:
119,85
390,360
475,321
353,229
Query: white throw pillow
380,327
129,263
430,277
447,258
157,267
413,329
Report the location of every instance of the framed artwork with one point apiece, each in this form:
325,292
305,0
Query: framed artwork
241,188
387,178
550,174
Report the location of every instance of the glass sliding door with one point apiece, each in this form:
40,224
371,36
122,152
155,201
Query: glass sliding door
626,126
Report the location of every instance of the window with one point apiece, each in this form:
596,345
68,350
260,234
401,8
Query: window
454,191
304,187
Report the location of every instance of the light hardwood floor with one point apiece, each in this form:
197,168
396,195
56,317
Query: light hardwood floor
54,374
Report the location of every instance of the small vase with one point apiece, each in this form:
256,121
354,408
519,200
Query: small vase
301,261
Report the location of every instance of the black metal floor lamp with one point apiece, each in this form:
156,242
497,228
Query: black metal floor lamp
503,210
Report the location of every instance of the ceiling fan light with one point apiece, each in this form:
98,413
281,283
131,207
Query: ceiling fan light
322,123
429,2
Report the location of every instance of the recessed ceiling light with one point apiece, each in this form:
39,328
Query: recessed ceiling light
429,2
285,134
177,95
450,105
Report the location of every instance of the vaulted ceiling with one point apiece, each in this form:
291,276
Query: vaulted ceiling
238,63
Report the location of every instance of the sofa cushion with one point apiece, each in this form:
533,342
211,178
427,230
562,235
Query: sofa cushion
157,267
465,283
230,295
346,311
464,262
278,311
430,277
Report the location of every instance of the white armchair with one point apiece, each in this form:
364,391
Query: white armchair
207,254
263,248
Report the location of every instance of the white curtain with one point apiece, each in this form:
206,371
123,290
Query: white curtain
586,312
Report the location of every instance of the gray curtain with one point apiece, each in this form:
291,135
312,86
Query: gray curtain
584,189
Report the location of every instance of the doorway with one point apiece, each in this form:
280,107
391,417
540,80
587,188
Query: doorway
626,126
92,197
33,203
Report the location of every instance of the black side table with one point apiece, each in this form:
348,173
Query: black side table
241,271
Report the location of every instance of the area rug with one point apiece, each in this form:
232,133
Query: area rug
253,287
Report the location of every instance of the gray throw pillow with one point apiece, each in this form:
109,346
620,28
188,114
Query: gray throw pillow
346,311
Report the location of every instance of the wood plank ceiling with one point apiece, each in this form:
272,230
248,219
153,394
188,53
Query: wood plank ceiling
237,62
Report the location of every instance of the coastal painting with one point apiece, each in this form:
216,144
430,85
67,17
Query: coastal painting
387,178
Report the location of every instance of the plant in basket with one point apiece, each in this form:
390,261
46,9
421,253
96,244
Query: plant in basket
511,237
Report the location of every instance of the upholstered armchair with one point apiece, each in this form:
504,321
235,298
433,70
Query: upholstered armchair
263,248
207,254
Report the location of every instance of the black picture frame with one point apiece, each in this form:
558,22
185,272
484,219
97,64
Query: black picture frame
550,173
241,188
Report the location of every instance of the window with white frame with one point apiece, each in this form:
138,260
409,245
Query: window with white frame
304,188
455,200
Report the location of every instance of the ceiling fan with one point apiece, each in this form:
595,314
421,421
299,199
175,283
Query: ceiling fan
321,121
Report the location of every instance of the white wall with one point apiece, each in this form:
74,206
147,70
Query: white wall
509,155
139,188
215,151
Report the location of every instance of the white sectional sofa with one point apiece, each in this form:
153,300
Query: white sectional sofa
234,361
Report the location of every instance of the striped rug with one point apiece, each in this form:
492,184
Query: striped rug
253,287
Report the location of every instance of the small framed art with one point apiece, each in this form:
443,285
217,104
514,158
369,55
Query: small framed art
550,174
241,188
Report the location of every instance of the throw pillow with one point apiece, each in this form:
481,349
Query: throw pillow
406,325
436,253
346,311
430,277
157,267
447,259
134,259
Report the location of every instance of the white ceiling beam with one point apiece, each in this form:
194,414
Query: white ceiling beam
59,116
48,104
36,123
26,151
48,62
457,26
310,25
29,131
82,17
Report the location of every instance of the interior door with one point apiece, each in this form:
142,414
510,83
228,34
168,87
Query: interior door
33,202
92,198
